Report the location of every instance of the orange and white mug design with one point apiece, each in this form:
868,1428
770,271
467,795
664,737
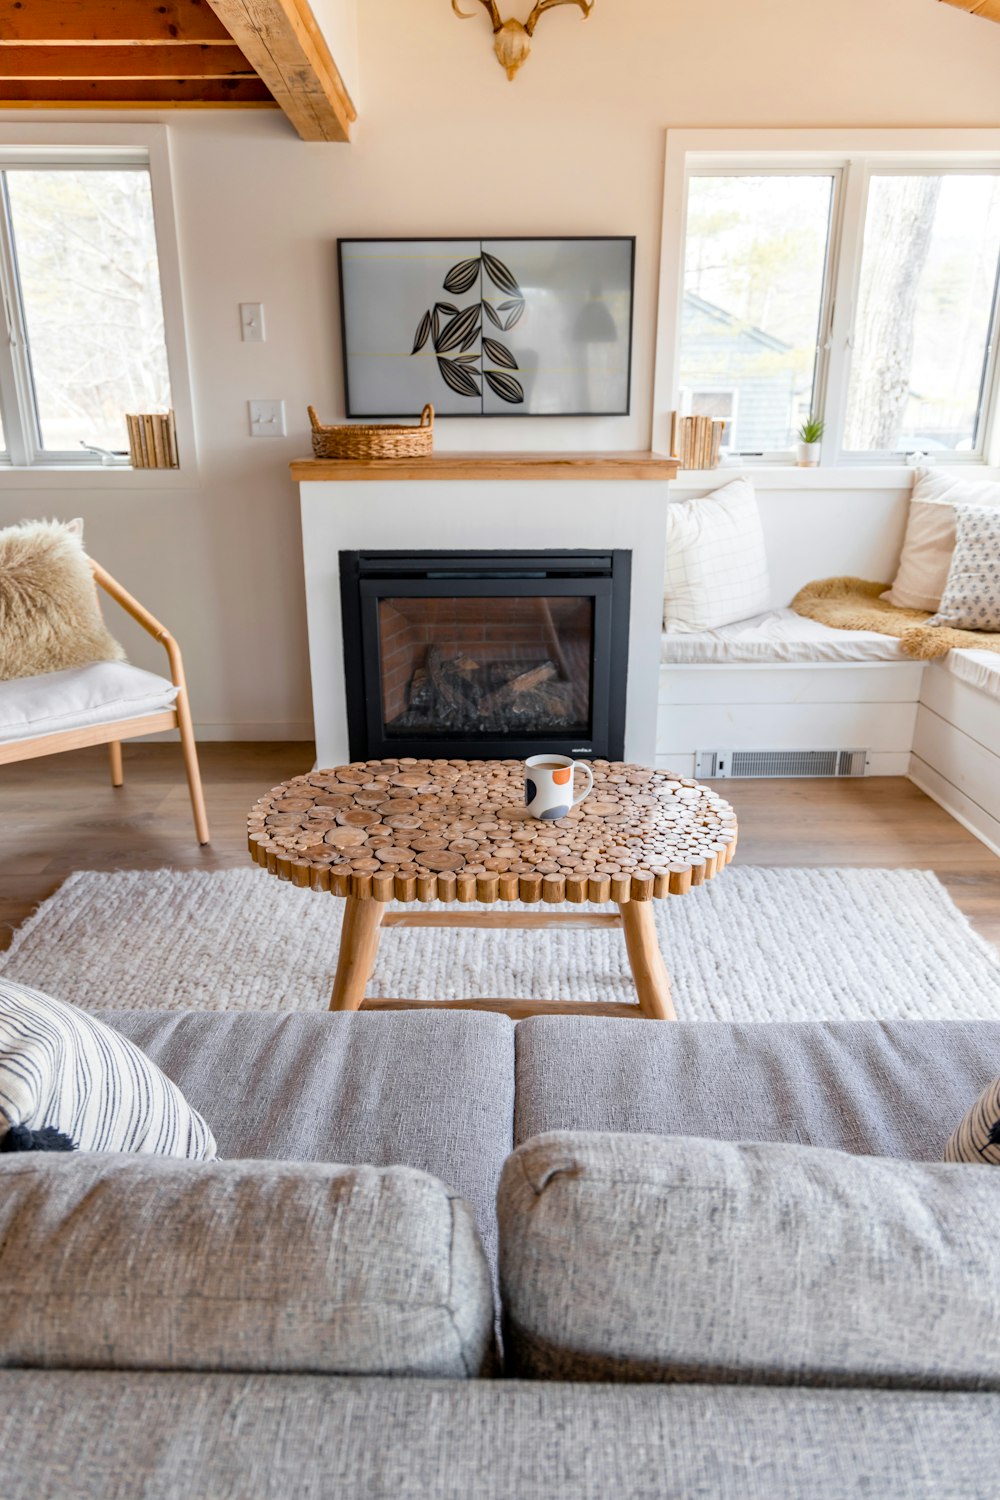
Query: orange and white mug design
548,785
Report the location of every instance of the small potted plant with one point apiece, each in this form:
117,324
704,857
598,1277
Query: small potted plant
810,437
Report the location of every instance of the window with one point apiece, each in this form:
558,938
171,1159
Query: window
858,287
83,341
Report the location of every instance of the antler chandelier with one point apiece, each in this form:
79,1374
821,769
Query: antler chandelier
512,40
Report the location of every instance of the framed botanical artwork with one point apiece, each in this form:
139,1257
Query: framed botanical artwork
487,328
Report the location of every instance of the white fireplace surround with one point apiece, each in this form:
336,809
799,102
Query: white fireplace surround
400,513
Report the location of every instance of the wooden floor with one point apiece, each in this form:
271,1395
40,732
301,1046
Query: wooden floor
61,814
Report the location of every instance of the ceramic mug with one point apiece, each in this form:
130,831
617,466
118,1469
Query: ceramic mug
548,785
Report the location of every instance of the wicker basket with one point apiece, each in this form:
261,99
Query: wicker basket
374,442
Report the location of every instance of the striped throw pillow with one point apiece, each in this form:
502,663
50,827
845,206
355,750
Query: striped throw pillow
68,1081
977,1138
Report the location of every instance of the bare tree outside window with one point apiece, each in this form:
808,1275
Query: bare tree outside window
87,268
924,310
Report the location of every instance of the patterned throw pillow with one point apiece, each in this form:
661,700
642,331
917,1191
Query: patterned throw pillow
977,1138
971,598
69,1082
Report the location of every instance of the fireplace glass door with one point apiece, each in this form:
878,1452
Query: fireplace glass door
490,665
480,657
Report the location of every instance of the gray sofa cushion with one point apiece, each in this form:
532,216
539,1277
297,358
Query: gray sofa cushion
415,1089
894,1088
650,1258
293,1437
148,1263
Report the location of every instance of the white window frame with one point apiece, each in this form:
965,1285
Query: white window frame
94,147
853,157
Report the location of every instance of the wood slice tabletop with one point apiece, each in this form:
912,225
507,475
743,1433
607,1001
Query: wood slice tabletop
458,830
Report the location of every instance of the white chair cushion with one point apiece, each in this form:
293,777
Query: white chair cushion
82,696
781,635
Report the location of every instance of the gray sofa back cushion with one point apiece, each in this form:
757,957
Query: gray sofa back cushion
407,1088
150,1264
649,1258
874,1088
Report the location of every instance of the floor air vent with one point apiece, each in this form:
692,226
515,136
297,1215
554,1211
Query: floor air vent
711,764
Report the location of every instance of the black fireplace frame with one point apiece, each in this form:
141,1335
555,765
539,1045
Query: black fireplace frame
604,575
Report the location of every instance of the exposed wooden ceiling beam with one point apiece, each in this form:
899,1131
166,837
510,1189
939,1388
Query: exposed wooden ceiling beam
98,63
126,93
129,22
286,48
989,9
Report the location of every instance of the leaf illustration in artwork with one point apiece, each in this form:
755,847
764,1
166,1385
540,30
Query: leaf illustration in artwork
504,386
422,334
499,354
499,274
465,359
446,307
471,336
457,331
493,316
461,277
458,377
514,310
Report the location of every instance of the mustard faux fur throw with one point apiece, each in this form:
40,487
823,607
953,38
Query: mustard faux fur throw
49,615
854,604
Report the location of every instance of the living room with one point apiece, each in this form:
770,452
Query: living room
464,845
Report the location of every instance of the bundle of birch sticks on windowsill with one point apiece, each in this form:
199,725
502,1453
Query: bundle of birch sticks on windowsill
152,440
695,441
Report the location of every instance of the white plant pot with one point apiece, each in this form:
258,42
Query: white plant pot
809,455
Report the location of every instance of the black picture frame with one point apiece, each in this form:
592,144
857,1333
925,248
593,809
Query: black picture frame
498,386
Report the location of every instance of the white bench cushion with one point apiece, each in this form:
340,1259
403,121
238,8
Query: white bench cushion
779,636
980,669
75,699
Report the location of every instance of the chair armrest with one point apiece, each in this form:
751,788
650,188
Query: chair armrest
141,615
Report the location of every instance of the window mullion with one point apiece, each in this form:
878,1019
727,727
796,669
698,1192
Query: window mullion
19,422
848,271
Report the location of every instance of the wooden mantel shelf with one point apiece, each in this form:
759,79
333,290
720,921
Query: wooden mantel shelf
491,466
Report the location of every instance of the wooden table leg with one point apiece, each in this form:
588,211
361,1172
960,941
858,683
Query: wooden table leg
358,946
652,982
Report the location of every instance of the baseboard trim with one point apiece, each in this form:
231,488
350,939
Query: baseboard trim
207,733
955,802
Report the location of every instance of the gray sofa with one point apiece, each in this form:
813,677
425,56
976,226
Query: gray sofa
453,1095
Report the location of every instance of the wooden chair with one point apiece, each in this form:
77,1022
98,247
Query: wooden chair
112,731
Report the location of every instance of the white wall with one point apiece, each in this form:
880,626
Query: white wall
446,145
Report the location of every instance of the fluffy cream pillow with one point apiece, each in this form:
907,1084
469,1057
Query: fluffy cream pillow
930,536
716,570
49,615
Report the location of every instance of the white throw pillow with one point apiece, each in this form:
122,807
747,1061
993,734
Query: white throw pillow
971,598
716,570
68,1081
930,536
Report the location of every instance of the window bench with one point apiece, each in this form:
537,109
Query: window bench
782,682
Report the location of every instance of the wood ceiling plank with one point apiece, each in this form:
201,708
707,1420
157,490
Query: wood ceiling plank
988,9
97,63
66,22
283,43
125,92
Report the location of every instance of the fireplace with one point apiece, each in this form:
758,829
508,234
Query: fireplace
485,655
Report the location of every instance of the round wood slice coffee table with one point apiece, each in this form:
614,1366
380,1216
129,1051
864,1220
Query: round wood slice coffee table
457,831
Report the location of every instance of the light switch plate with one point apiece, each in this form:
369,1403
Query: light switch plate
252,322
267,418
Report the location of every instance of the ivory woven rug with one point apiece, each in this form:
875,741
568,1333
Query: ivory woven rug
754,945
